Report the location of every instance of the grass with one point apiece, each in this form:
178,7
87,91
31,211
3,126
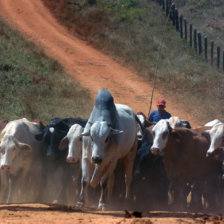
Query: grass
34,86
132,31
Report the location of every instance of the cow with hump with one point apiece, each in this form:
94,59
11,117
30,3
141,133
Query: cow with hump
184,157
109,135
21,161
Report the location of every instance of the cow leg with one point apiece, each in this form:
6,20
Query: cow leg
179,199
66,180
106,184
5,192
196,196
102,201
86,173
110,187
129,163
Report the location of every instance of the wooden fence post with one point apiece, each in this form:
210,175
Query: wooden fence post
195,40
185,29
163,4
212,51
170,9
167,8
191,29
218,57
223,60
177,19
199,44
206,48
181,26
173,14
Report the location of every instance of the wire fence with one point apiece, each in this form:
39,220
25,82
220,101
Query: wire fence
211,52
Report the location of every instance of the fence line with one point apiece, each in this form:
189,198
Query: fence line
195,37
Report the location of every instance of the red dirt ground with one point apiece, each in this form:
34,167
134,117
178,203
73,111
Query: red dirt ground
93,70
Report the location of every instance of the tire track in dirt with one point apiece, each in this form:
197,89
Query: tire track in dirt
89,67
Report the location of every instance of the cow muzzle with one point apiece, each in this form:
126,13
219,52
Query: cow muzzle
5,167
208,154
155,151
96,159
71,160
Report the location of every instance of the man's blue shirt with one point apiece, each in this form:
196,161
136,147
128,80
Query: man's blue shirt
155,116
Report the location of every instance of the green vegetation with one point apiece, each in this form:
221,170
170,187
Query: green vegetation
34,86
132,31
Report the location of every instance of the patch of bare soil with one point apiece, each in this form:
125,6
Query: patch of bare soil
93,70
38,213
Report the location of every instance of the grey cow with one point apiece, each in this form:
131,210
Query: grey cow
109,135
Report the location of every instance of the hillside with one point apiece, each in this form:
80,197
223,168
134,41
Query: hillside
33,85
132,32
207,16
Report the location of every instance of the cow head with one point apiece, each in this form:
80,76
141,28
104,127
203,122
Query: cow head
216,135
52,136
142,123
161,132
218,154
160,136
73,141
11,148
101,134
175,122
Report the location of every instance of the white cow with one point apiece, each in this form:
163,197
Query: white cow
213,123
216,134
21,159
110,134
73,141
176,122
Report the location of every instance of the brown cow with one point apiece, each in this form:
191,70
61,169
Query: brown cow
185,161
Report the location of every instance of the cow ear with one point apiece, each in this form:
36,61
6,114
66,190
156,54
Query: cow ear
116,131
206,133
25,147
149,123
64,143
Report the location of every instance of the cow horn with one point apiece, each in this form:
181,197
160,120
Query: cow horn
87,133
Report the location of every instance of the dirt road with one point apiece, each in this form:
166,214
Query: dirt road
39,214
93,70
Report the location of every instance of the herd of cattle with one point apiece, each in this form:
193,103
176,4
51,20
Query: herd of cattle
123,158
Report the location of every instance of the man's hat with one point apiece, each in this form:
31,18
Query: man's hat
161,102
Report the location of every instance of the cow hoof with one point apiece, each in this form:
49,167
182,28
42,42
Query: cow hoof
102,206
79,204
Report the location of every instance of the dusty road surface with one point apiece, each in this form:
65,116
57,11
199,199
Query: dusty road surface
93,70
45,214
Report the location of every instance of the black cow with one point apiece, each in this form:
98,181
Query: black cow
54,132
58,175
147,187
